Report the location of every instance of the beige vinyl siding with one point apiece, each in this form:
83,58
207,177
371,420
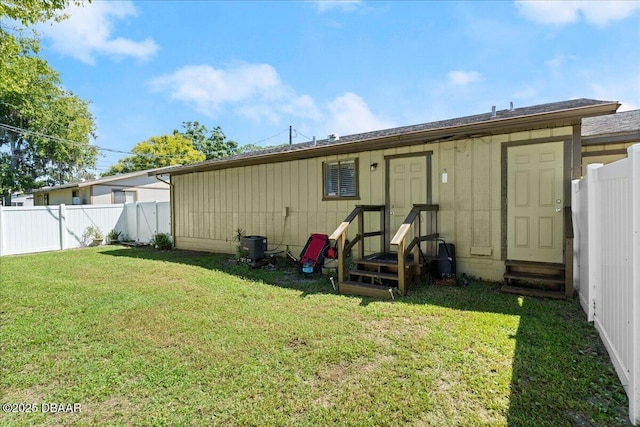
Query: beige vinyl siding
210,206
602,157
253,199
62,196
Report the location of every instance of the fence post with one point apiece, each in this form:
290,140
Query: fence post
62,222
135,219
634,386
1,233
155,212
593,231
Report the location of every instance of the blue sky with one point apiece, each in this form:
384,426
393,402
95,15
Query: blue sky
255,68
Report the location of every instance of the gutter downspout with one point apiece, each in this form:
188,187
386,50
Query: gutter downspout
171,207
162,180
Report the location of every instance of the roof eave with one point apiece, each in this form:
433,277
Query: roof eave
492,126
611,138
57,187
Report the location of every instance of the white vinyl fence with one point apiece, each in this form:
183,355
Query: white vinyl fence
48,228
606,214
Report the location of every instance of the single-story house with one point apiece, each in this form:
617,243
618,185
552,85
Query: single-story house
495,185
124,188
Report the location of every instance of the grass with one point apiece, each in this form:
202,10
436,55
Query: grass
147,337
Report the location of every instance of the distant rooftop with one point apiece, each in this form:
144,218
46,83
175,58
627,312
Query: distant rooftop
103,180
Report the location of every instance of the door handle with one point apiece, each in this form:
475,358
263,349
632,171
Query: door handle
558,209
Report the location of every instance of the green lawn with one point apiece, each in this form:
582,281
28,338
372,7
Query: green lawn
145,337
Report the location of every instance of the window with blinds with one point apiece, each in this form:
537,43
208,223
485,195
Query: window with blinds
341,179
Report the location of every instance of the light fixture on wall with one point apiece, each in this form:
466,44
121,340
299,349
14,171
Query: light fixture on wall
374,166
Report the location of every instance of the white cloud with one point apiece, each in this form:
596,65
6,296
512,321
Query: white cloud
461,78
343,5
350,114
559,60
253,91
88,32
599,13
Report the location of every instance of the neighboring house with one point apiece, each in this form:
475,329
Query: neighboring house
19,199
124,188
500,183
606,139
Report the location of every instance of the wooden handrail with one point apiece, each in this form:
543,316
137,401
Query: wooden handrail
419,239
344,224
340,234
406,225
400,239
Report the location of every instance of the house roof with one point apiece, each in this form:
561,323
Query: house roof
104,180
527,118
619,127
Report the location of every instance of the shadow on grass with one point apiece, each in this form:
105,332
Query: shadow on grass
561,373
282,273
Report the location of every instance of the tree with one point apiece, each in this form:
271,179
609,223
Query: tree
29,12
157,152
44,129
213,144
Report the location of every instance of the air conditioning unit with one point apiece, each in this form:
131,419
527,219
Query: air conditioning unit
255,246
76,201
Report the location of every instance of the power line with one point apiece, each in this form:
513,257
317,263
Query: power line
270,137
302,134
297,132
81,144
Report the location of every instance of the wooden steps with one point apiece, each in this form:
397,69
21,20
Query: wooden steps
534,279
364,289
552,281
376,275
532,292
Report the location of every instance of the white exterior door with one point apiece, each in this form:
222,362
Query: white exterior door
535,202
407,186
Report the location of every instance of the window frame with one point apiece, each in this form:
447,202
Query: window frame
121,190
356,196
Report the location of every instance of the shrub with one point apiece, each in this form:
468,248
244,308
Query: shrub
114,235
161,241
92,233
240,251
